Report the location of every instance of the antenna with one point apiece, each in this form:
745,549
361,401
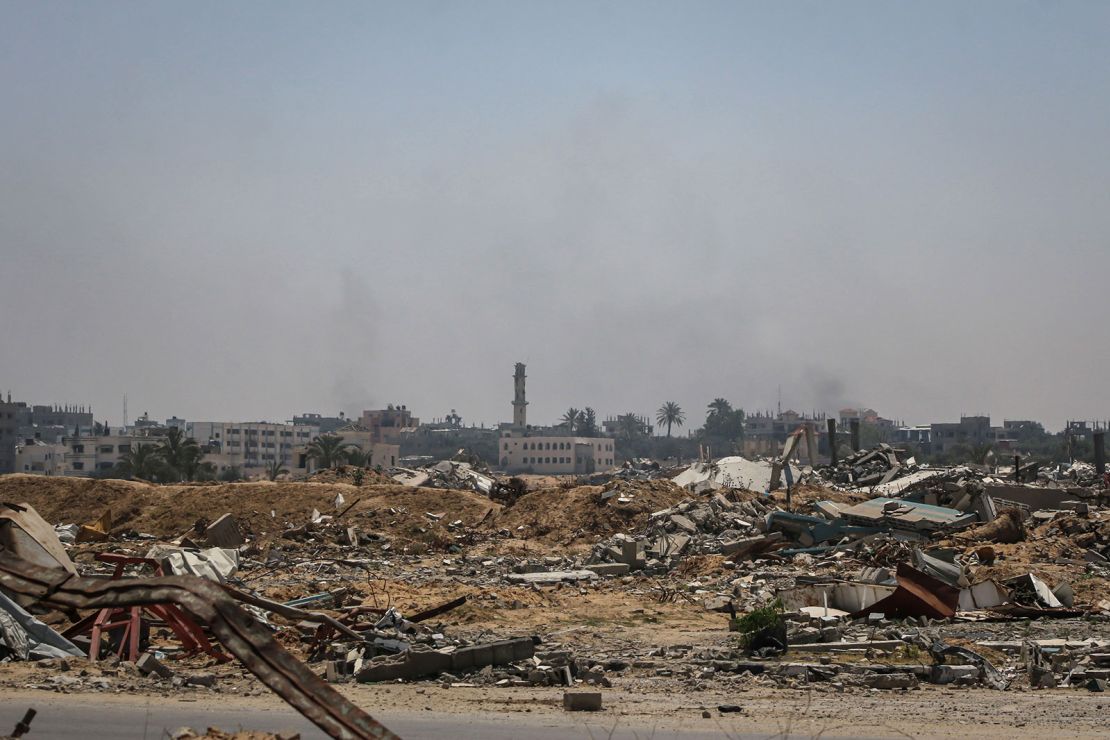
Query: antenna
124,409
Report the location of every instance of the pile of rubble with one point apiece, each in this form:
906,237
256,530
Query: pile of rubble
955,579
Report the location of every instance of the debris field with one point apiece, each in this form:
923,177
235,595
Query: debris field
715,585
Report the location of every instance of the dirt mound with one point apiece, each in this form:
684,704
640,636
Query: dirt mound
263,508
352,475
1006,527
579,515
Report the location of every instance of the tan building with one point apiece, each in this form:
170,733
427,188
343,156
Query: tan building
386,425
555,455
40,458
381,454
87,456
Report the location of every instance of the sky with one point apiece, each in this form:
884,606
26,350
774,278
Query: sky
248,210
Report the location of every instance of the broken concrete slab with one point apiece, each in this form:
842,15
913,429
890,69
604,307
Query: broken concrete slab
224,533
609,569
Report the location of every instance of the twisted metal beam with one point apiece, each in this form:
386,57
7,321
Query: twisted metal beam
239,632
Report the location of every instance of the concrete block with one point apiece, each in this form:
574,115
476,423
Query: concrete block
609,569
945,674
224,532
409,665
890,681
148,664
582,701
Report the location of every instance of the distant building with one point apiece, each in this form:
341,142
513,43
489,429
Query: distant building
765,434
919,436
9,425
250,446
642,426
326,424
40,458
20,422
388,424
969,430
555,455
380,454
864,416
93,455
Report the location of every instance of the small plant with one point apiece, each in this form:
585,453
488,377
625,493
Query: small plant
358,476
757,621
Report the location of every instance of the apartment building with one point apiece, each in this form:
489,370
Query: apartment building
251,446
85,457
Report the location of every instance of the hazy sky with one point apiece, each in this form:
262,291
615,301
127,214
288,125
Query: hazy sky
238,210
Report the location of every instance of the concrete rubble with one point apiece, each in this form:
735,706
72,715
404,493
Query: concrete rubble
957,578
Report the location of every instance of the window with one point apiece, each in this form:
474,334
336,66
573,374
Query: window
78,466
79,449
105,449
506,445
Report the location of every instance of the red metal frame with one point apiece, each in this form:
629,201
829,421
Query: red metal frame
130,619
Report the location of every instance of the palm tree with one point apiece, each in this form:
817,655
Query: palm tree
629,426
355,456
141,461
587,425
571,419
328,451
275,470
671,413
181,454
719,406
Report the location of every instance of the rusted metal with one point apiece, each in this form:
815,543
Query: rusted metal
918,595
239,632
435,611
128,621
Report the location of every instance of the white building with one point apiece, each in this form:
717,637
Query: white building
251,446
40,458
555,455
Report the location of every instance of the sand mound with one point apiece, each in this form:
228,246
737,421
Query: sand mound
577,515
348,474
166,511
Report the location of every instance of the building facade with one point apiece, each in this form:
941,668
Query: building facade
556,455
250,446
388,424
40,458
98,455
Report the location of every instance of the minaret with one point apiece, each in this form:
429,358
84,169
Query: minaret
520,411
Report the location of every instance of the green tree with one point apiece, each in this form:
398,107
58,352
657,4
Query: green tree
670,413
719,407
328,451
182,455
630,427
355,456
587,427
571,419
275,470
143,462
979,452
